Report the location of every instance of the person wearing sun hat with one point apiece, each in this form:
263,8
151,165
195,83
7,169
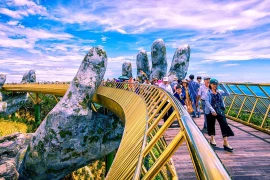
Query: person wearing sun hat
214,110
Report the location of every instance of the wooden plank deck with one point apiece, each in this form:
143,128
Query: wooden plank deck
249,160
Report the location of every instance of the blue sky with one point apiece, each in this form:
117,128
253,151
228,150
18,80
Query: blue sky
229,40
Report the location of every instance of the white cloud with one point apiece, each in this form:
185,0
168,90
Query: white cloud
24,8
23,2
27,37
13,14
141,17
202,72
102,47
13,23
104,38
16,43
222,75
229,65
120,59
109,73
121,31
141,49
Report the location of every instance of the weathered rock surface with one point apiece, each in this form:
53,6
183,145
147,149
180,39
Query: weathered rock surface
3,107
180,62
142,63
127,69
12,150
159,59
29,76
12,103
71,135
2,80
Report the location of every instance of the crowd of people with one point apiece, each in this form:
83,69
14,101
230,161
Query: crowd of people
194,96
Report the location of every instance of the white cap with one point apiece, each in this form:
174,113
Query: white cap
165,79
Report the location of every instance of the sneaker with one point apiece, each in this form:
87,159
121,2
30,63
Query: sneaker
228,148
193,116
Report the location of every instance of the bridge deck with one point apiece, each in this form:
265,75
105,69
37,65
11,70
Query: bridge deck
250,159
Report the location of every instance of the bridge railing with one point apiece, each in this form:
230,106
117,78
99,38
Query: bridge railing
249,104
155,159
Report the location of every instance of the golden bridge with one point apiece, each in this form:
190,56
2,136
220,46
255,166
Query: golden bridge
150,148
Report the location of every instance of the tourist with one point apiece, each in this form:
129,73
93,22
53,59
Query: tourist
159,82
179,95
193,90
174,83
214,110
179,82
154,82
185,91
130,84
202,93
198,107
199,80
143,76
166,86
147,81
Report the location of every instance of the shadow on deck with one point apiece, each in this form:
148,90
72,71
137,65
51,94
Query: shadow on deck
249,160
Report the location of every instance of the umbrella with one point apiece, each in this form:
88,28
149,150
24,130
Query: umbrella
123,78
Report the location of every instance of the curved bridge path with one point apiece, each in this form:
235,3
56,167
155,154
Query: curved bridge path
144,131
249,160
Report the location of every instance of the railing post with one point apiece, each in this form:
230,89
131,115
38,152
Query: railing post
37,113
257,99
241,107
231,104
265,116
37,109
108,161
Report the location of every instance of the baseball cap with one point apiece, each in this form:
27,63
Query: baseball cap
199,77
165,79
206,78
213,81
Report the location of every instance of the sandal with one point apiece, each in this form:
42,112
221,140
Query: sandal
228,148
212,143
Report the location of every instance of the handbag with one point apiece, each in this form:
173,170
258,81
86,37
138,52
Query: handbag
189,106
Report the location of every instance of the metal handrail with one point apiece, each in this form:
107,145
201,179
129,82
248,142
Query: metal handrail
252,108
